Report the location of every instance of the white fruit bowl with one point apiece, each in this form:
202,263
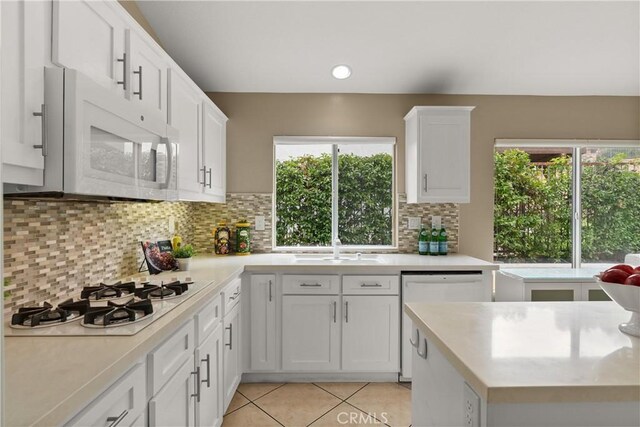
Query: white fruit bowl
627,297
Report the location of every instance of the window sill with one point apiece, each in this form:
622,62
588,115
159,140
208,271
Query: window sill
329,249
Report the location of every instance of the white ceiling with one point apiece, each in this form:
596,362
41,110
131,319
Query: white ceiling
530,48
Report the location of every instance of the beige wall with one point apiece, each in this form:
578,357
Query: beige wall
255,118
132,7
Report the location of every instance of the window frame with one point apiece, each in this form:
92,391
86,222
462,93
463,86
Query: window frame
576,146
334,142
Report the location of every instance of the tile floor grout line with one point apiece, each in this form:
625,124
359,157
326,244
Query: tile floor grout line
325,412
335,395
356,391
268,414
239,407
270,391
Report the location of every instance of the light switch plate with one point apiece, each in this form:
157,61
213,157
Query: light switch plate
471,407
259,222
414,223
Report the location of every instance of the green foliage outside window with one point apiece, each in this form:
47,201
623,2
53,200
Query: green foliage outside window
365,200
532,215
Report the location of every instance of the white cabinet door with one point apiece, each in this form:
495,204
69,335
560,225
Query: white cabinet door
25,48
370,333
214,138
437,393
311,333
185,105
232,353
438,154
89,36
208,357
263,322
147,74
174,404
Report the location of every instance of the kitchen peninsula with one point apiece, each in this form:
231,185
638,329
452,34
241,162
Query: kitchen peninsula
524,364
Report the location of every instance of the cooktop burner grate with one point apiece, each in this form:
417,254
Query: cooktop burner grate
118,314
162,291
104,291
47,315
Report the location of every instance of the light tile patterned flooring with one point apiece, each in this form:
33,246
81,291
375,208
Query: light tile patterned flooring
320,405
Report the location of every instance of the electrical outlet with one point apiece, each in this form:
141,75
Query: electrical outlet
414,223
259,222
172,225
471,407
436,221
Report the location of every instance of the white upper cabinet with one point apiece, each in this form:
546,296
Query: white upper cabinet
185,106
214,139
437,150
147,73
25,52
89,36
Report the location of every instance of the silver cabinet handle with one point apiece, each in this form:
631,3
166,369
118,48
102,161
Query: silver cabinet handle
415,344
116,420
208,361
346,311
124,71
43,126
139,73
234,296
335,311
197,384
270,294
426,349
230,328
210,180
426,181
370,285
204,175
313,285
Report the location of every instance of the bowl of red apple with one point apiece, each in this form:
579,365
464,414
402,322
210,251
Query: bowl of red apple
622,283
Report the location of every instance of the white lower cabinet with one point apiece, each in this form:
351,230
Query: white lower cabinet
209,402
232,372
263,322
310,333
174,404
122,404
371,333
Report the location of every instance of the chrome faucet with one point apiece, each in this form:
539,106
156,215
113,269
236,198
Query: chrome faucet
336,248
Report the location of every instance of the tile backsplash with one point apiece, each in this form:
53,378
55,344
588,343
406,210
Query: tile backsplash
52,248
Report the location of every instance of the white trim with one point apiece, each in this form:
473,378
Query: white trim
329,140
566,143
329,249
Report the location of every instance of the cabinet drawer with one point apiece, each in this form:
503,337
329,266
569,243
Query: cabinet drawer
230,295
125,400
208,319
370,285
310,284
169,356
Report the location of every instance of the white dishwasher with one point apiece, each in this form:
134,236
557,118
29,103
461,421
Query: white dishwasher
437,286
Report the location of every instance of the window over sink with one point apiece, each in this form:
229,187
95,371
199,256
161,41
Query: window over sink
334,187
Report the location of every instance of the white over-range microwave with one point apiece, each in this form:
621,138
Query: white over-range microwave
98,144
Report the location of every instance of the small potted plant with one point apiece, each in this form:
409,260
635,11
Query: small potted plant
183,255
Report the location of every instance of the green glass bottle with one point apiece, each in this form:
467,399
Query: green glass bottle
443,244
434,245
423,241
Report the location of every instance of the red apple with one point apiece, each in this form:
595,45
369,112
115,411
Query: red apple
613,275
623,267
633,280
636,270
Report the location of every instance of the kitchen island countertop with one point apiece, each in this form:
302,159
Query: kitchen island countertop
49,379
524,352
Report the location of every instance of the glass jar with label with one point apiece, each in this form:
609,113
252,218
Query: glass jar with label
243,238
221,242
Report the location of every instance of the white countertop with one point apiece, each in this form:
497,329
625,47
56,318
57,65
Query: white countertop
49,379
554,274
520,352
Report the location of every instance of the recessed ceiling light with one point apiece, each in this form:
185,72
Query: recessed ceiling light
341,72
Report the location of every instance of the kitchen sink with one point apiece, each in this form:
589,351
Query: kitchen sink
328,259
